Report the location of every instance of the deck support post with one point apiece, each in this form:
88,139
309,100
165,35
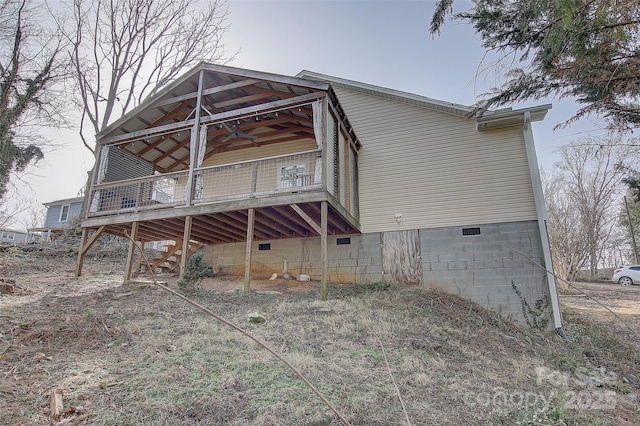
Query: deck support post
193,142
247,260
324,213
140,256
132,250
186,237
85,246
81,252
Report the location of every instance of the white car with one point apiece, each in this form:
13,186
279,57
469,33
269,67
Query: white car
627,275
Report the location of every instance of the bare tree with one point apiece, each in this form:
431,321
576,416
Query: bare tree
29,66
123,50
11,207
568,248
36,216
590,177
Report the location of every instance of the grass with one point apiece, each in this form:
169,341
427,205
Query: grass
155,360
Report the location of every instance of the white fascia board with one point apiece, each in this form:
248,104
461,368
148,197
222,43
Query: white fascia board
511,117
65,201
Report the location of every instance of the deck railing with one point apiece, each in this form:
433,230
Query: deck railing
241,180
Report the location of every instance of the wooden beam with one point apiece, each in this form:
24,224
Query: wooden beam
80,258
206,92
260,108
218,225
267,77
185,245
243,99
241,224
140,257
333,219
93,239
278,218
209,208
158,261
247,260
323,249
85,246
306,218
132,249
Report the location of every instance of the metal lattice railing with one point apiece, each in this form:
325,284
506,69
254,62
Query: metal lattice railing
158,191
258,178
248,179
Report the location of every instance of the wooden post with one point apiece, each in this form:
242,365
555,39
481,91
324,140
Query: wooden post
247,260
193,146
81,251
132,250
324,212
86,245
140,257
185,245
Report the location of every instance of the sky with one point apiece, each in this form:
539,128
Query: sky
384,43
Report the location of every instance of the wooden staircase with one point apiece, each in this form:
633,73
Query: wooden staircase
169,261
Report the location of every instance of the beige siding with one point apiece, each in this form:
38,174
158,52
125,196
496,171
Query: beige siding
435,169
236,179
256,153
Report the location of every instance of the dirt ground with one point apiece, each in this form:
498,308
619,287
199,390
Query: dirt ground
132,354
615,307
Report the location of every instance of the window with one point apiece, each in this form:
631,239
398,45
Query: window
8,236
64,213
264,246
292,176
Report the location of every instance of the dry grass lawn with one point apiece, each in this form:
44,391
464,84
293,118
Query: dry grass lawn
133,354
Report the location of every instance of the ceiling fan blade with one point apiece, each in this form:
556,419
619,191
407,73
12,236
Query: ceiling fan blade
226,138
245,135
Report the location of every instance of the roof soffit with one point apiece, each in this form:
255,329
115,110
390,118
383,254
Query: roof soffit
490,119
242,108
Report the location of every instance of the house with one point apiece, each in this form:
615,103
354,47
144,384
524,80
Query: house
337,179
60,215
12,236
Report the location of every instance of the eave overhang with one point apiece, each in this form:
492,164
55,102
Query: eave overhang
491,119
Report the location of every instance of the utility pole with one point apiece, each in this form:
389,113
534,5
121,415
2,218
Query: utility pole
633,235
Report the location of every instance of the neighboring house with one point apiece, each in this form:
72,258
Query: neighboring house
12,236
337,179
60,215
61,212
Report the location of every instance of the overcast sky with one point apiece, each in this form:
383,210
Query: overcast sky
385,43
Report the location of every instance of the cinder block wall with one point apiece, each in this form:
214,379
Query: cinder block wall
360,261
476,267
482,267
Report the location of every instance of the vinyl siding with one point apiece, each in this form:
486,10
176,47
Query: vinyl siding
434,168
256,153
236,179
121,166
52,219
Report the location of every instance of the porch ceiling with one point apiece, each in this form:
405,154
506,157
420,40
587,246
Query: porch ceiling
255,109
271,223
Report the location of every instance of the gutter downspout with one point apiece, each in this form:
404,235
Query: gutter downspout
541,212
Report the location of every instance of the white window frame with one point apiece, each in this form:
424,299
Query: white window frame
8,236
64,216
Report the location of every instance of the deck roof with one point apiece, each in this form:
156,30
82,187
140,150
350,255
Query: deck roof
241,108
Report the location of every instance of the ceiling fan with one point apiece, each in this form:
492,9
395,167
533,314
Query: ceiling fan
235,133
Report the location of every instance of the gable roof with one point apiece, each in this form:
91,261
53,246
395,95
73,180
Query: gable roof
488,120
185,87
64,201
242,108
